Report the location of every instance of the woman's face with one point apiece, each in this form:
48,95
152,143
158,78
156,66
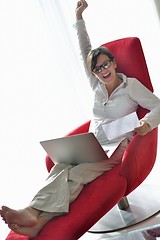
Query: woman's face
105,69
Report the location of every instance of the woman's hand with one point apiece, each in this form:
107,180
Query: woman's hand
143,129
81,6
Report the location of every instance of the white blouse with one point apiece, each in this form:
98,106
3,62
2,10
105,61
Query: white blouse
124,100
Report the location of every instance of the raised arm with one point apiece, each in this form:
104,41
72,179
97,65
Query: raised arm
84,41
81,6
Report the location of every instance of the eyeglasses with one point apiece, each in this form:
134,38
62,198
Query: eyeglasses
105,65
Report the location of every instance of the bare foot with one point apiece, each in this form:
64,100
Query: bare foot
25,217
2,216
32,231
26,231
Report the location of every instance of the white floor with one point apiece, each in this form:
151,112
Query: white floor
133,233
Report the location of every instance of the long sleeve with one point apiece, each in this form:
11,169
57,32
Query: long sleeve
146,99
85,47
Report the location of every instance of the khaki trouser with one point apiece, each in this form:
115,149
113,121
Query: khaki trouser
65,182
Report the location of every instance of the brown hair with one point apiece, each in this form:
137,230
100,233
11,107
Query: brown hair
94,54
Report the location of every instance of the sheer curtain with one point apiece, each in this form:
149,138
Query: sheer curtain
44,92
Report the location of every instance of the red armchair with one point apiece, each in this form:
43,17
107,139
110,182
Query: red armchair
98,197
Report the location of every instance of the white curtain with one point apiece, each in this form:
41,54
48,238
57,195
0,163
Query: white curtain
43,89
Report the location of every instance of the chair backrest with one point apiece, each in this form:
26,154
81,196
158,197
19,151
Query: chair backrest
140,155
131,61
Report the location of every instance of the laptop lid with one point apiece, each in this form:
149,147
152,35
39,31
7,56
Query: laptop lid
75,149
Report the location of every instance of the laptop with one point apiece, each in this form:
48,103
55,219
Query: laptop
75,149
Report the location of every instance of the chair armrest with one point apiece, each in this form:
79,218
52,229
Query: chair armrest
139,159
81,129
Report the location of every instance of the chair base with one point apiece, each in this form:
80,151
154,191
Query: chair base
144,202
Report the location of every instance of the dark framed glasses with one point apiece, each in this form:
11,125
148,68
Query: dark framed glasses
105,65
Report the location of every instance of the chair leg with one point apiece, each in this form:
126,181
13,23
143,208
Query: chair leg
123,203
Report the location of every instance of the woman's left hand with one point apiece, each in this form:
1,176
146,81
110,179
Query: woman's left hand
143,129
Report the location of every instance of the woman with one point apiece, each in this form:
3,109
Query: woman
115,97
